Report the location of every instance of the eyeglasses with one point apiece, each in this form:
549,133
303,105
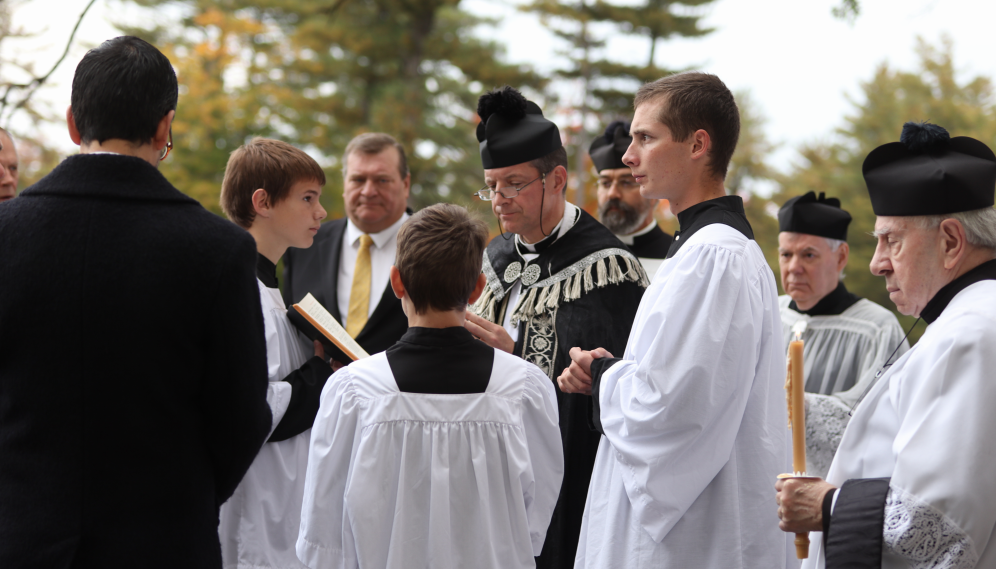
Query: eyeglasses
487,193
625,184
169,146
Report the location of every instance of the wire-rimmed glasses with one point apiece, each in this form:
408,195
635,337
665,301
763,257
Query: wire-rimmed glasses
487,193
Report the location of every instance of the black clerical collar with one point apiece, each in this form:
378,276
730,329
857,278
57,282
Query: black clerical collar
839,300
266,271
437,337
728,210
984,272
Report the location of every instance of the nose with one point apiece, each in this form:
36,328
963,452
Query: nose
794,264
615,191
629,158
369,188
880,264
321,213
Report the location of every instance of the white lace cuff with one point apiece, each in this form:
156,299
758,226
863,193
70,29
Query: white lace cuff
925,537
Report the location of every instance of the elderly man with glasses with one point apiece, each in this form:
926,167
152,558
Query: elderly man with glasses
556,278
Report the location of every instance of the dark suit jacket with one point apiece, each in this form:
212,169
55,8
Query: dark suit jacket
316,270
132,370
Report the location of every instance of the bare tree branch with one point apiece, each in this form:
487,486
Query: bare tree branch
30,87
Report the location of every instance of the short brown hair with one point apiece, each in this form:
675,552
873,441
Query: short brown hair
697,100
440,251
375,143
272,165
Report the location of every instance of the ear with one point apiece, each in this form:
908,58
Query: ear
261,203
408,184
162,131
74,133
478,289
396,285
953,243
701,143
842,254
559,179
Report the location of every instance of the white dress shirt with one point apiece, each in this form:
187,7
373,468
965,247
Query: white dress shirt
382,253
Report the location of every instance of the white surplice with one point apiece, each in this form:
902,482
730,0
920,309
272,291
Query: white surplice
929,424
259,523
401,480
694,419
841,355
841,349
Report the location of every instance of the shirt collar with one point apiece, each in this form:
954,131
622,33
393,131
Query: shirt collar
381,239
266,271
836,302
984,272
630,238
571,215
437,337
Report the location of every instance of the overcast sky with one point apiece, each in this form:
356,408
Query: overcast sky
798,62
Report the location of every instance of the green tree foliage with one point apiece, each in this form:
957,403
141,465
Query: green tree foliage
318,72
607,85
932,93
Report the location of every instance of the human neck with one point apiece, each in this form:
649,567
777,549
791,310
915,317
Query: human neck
702,190
551,220
434,318
266,244
117,146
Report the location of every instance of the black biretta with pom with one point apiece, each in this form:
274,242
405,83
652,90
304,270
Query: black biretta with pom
512,129
607,150
929,173
814,215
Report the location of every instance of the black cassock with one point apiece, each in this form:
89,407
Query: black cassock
653,244
582,290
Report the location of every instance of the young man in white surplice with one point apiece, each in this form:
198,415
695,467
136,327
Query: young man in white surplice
441,451
693,414
271,189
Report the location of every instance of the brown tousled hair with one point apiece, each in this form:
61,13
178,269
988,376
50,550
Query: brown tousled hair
439,256
264,163
696,100
375,143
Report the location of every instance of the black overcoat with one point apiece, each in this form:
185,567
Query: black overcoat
132,370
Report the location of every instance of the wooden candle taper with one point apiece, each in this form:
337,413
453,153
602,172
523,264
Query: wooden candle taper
797,421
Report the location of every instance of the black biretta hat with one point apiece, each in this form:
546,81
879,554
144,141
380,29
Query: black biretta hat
607,150
512,129
812,215
929,173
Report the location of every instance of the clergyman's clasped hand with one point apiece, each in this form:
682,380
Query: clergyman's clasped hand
577,377
800,504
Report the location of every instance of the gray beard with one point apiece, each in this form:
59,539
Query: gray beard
622,219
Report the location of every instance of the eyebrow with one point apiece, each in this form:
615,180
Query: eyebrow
884,231
639,131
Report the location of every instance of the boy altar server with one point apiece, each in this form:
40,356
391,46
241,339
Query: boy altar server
440,452
694,412
271,189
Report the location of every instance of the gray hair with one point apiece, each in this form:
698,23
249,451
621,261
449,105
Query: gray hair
834,245
979,224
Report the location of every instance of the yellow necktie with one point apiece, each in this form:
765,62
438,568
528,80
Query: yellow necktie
359,294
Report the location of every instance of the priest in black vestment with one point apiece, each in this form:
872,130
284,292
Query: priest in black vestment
556,279
621,208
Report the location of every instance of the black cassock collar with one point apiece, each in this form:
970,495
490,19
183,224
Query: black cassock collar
266,271
839,300
984,272
728,210
441,360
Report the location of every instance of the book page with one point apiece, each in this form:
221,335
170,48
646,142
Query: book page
314,312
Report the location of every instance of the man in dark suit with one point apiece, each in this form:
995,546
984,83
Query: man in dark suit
133,363
347,268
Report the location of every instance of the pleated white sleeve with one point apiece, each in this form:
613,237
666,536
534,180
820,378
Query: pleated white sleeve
673,408
325,539
541,482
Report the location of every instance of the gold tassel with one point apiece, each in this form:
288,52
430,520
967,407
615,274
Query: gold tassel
553,299
602,273
615,273
588,283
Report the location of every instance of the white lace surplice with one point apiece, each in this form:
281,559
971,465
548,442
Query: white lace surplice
400,480
259,522
929,425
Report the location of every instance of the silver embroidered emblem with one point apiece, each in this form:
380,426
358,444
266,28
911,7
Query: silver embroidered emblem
530,275
512,272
